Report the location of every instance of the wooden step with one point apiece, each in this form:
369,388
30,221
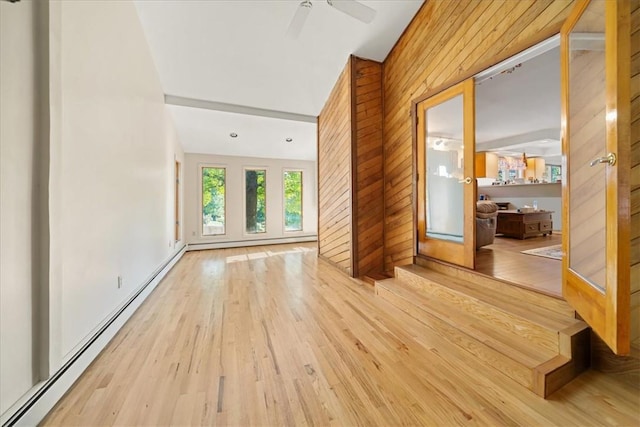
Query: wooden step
483,320
531,344
470,294
372,278
499,288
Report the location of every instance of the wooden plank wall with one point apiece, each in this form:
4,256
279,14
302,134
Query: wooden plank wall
334,175
446,42
635,173
368,202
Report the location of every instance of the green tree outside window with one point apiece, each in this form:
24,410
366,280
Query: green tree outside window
213,201
256,201
292,200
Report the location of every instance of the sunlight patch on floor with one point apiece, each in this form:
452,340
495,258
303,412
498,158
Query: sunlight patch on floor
266,254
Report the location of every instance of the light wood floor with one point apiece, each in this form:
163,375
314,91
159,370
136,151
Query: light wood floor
274,336
503,260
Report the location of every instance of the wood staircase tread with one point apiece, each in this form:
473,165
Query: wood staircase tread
517,321
494,286
535,313
492,289
538,343
469,345
520,349
433,337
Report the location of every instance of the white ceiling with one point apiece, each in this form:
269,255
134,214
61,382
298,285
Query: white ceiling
518,111
232,60
237,52
208,131
520,100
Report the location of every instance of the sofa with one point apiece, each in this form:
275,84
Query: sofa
486,221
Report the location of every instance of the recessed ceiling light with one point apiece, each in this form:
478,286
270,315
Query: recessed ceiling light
289,139
233,135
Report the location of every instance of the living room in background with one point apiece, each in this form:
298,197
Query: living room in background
255,200
518,160
292,188
213,200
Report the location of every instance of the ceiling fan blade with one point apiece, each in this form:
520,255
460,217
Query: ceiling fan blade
300,17
354,9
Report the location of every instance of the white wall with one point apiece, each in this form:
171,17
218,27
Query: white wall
235,219
112,168
105,154
19,152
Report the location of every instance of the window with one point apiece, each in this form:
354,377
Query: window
255,200
554,173
292,200
213,201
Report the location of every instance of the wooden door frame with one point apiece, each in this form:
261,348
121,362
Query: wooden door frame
612,307
470,73
459,253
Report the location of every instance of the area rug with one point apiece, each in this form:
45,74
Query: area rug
554,252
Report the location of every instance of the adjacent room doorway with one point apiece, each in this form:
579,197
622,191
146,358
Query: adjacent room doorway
495,137
595,169
519,167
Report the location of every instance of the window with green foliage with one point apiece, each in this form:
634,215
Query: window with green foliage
555,173
292,200
256,200
213,201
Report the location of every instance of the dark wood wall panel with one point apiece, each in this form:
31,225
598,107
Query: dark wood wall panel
334,175
635,173
368,203
446,42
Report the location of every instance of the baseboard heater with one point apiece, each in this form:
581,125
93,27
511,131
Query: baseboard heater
49,383
256,242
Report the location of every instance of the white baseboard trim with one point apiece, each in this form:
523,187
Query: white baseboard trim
37,403
243,243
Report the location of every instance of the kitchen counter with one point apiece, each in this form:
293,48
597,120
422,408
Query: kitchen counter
548,197
522,190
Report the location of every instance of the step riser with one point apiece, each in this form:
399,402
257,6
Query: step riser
552,376
553,304
503,364
518,326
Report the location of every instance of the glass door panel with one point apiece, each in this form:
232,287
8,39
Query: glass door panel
588,136
445,170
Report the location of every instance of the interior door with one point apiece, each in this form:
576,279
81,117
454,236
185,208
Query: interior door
595,126
446,180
